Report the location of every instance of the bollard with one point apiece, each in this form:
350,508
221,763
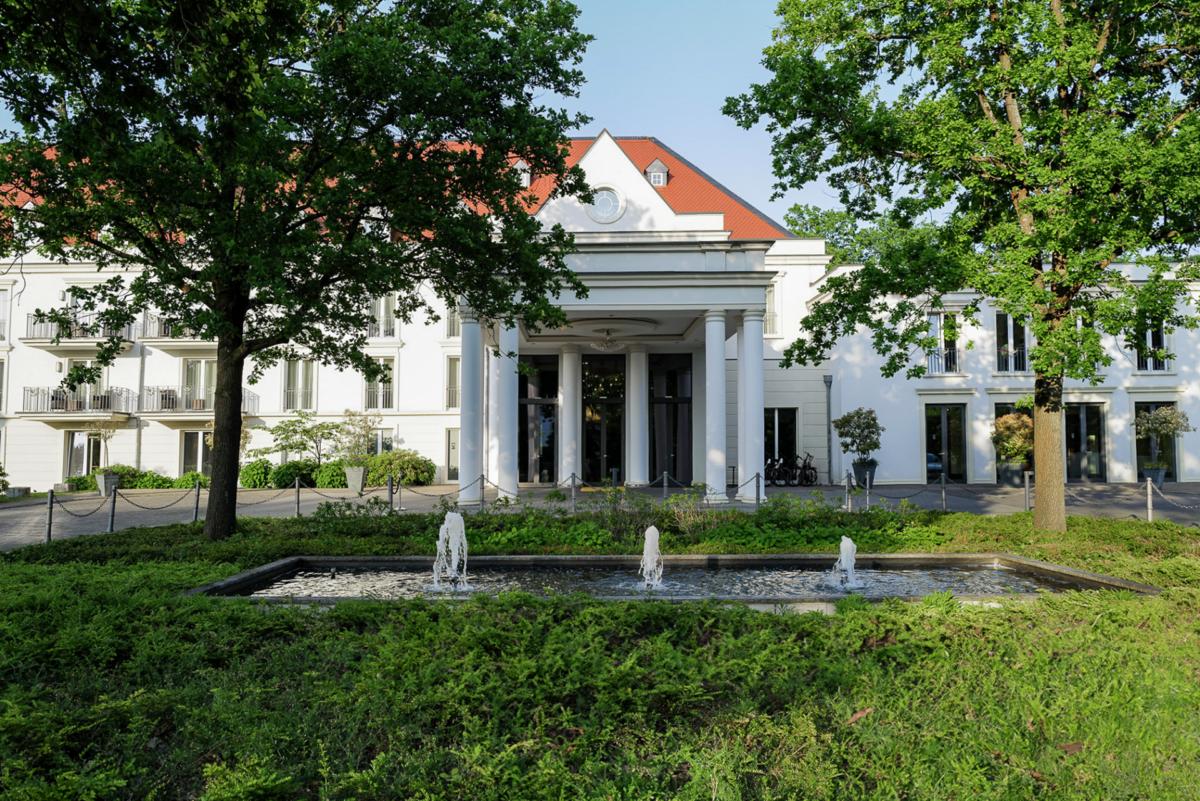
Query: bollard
297,496
1149,501
847,490
943,490
391,493
196,505
1027,475
868,490
49,513
614,477
757,490
112,511
664,485
482,500
572,493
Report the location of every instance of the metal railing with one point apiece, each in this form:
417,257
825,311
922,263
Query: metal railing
1152,364
379,396
1011,360
156,327
83,398
453,397
169,400
453,325
297,399
770,323
944,360
83,326
382,328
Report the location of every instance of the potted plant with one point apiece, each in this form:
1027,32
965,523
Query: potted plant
859,432
1012,435
1164,423
106,481
354,442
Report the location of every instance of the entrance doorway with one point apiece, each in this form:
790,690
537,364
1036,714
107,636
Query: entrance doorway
780,435
1085,441
671,417
83,453
1161,451
946,442
603,417
537,422
451,454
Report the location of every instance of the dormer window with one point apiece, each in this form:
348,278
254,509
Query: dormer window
523,174
657,173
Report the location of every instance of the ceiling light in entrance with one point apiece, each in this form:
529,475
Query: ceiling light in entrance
608,344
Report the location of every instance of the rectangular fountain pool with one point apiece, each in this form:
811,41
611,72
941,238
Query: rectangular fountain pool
754,579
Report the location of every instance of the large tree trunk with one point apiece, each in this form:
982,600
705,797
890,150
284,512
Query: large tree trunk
221,514
1050,507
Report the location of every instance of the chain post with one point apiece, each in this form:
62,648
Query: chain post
868,489
482,490
572,493
1027,475
196,505
757,490
297,496
847,490
49,513
665,485
391,493
613,472
1149,500
112,511
943,490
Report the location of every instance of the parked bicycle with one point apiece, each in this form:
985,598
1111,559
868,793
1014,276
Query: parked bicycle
791,472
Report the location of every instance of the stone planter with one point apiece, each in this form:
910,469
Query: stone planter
864,474
106,484
356,478
65,487
1011,474
16,492
1155,474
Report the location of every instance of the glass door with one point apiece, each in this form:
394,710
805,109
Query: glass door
197,453
671,417
452,454
780,435
1085,441
199,384
538,421
603,417
1153,449
946,442
1003,410
83,453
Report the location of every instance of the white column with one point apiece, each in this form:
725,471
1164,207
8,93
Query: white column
470,437
571,412
742,475
714,404
752,326
505,422
491,434
637,402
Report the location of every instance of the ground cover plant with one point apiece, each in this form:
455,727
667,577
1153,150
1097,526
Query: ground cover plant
114,685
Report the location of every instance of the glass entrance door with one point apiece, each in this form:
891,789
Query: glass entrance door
1153,449
452,454
603,417
538,421
83,453
780,435
945,442
1085,442
671,417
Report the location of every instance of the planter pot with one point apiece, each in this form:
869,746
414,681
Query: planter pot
106,484
64,487
1155,474
1011,474
356,478
864,474
16,492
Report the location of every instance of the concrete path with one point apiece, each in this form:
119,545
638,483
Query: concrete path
24,522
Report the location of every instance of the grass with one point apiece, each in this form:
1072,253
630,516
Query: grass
116,686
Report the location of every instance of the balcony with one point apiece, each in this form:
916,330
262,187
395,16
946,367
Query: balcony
385,328
81,338
297,399
379,396
1011,360
942,361
183,405
453,398
162,333
67,408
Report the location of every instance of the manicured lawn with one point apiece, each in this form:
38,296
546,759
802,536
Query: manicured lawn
115,686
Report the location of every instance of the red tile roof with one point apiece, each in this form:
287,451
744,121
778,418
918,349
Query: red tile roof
689,190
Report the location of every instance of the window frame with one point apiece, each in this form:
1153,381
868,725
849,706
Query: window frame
382,389
939,357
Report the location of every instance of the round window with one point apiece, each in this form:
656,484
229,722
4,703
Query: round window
608,204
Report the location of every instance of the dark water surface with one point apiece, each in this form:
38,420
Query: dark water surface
775,582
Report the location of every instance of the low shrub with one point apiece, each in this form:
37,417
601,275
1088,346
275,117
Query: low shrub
256,474
331,475
3,478
152,480
189,479
83,483
408,467
285,475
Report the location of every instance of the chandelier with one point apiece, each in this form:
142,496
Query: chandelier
608,344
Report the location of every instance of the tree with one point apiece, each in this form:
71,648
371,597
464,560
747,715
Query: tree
258,171
846,239
1062,139
355,437
104,430
301,434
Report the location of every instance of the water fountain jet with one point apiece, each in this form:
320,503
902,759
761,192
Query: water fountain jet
651,569
451,549
843,570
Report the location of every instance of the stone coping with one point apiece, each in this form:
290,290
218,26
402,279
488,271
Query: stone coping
228,588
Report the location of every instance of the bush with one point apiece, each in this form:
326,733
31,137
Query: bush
83,483
407,466
189,479
285,475
1012,435
3,478
256,475
331,475
152,480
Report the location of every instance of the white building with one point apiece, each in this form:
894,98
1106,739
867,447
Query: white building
651,376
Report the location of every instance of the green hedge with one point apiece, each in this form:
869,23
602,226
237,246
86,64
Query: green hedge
131,478
285,474
189,479
331,475
406,467
256,474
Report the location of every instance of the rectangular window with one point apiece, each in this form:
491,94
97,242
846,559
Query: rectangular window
3,314
944,358
453,382
1150,359
771,318
298,387
199,384
379,393
453,323
452,454
197,456
1152,451
658,179
83,453
1,387
384,311
383,441
1012,345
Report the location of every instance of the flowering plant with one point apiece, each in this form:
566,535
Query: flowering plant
1012,435
1164,423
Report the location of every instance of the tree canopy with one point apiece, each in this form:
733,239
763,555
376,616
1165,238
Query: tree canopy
257,171
1061,137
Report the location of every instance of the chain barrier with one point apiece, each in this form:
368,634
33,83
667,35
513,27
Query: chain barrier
1171,502
103,502
922,491
409,490
130,501
264,500
499,490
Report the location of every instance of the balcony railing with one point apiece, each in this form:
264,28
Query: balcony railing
453,397
453,325
155,327
1151,364
770,324
297,399
379,396
169,400
82,399
382,328
83,326
1011,360
945,360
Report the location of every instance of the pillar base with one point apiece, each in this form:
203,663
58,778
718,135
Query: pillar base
637,484
748,498
716,500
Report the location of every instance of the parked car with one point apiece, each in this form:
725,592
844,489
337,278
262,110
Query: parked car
933,468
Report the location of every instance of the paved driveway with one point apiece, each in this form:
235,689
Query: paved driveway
24,522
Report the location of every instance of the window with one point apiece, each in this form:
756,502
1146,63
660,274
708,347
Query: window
383,310
944,358
83,453
298,385
1012,343
771,318
3,314
524,176
453,323
382,442
199,384
657,173
379,393
453,382
781,434
1152,450
197,455
1155,346
1,387
658,178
